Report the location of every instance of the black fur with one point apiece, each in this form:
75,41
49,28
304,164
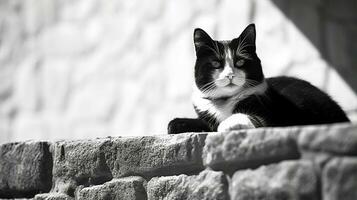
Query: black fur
286,102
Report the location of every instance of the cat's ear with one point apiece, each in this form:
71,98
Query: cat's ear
247,38
201,39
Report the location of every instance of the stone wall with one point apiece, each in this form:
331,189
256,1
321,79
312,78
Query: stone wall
313,162
92,68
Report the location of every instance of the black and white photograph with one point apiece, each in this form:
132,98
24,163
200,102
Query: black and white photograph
178,100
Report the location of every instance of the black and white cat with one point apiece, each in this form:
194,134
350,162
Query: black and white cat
232,93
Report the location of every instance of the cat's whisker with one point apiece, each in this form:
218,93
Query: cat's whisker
209,91
207,87
207,84
249,82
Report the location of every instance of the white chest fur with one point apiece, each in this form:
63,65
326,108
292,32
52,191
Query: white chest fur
219,111
223,110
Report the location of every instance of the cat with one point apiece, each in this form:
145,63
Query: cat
232,93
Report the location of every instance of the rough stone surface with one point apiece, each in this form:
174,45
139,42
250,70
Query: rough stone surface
129,188
173,165
82,162
339,138
288,180
208,185
88,162
25,169
53,196
319,159
159,155
339,179
249,148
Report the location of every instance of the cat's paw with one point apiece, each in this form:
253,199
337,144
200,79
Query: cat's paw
235,122
176,126
183,125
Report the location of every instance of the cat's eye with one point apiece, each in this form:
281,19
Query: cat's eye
240,63
216,64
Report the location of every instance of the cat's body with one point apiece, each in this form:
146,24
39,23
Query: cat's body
232,93
276,104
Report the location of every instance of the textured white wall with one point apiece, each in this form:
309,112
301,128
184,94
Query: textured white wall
92,68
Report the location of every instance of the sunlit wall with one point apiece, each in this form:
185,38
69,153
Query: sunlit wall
92,68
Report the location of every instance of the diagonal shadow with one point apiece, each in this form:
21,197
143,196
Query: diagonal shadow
331,26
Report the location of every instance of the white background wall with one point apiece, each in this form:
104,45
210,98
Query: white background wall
92,68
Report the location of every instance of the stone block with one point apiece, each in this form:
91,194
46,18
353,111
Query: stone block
159,155
339,138
288,180
129,188
53,196
207,185
93,162
339,179
249,148
319,159
25,169
82,162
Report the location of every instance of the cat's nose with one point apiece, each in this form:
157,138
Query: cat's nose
230,76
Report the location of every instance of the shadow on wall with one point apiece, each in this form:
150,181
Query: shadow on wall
332,27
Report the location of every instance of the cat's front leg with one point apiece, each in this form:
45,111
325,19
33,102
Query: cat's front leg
183,125
235,122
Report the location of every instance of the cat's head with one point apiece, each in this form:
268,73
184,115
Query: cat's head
224,68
